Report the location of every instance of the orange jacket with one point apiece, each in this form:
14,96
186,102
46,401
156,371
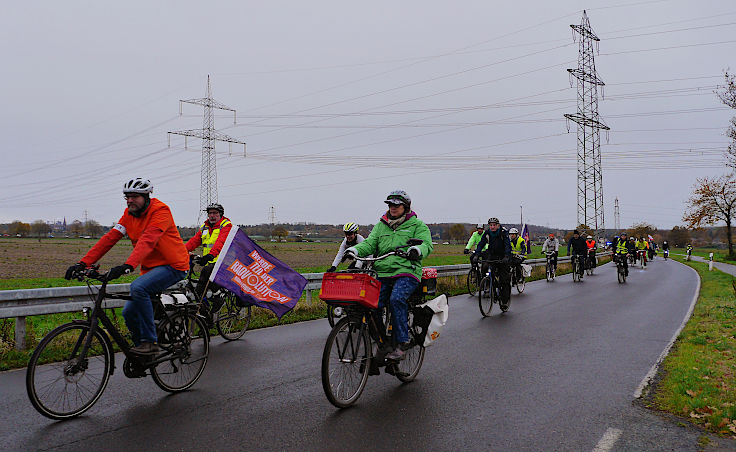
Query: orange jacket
196,241
590,244
156,241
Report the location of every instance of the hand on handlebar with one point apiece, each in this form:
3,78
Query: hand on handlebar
350,253
414,253
466,251
74,271
117,272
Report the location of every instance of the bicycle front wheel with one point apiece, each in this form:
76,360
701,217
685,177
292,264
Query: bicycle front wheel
345,362
60,385
232,319
520,284
485,296
186,342
473,281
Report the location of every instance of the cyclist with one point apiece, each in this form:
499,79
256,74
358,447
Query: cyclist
552,245
579,250
590,244
689,251
474,239
499,248
641,245
157,248
399,277
211,236
652,248
620,249
518,250
665,248
631,246
352,238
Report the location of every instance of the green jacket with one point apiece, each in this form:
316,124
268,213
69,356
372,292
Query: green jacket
383,239
474,240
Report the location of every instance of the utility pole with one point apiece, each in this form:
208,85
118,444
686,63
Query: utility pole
617,215
272,215
208,134
590,183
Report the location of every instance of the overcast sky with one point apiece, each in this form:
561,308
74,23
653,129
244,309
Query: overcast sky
459,103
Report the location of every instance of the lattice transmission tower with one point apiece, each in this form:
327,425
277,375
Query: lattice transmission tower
617,215
208,134
590,181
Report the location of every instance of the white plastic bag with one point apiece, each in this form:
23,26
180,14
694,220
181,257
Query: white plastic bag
527,270
441,310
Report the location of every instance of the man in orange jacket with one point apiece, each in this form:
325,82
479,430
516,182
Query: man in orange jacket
157,248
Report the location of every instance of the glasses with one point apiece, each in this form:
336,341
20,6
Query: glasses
349,233
131,196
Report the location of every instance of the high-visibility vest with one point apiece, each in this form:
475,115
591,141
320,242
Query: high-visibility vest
590,244
209,238
621,247
518,245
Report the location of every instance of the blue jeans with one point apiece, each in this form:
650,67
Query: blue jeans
138,311
397,291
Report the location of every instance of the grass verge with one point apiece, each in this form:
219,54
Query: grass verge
697,379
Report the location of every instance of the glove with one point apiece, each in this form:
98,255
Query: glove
414,253
350,253
204,260
72,271
505,260
466,251
117,272
331,269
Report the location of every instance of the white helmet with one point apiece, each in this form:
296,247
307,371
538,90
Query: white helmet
480,226
589,237
513,231
138,185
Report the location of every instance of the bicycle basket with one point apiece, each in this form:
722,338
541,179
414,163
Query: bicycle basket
349,288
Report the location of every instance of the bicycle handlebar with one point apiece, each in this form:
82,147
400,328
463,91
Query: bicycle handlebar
397,252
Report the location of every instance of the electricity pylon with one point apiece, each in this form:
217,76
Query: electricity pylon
617,215
590,181
208,134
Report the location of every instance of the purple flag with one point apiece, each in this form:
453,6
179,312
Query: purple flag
255,276
525,236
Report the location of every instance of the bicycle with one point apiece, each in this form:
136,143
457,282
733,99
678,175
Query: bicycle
81,358
489,290
643,258
589,261
231,317
550,270
517,275
576,264
666,254
473,279
357,345
689,253
620,270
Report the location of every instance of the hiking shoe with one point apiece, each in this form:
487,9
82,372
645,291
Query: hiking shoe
146,348
504,306
399,352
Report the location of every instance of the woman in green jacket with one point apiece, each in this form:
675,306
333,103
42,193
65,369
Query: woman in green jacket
399,276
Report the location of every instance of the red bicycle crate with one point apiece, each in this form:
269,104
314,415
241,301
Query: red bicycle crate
350,288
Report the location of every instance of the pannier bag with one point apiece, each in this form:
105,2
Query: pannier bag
526,270
431,318
429,280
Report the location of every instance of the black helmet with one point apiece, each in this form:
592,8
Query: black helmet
215,206
576,232
493,220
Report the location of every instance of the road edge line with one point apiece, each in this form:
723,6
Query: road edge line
608,440
653,371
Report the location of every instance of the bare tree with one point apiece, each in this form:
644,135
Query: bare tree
727,94
713,200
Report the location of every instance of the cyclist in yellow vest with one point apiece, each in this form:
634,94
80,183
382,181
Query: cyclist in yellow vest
211,235
621,250
518,252
642,245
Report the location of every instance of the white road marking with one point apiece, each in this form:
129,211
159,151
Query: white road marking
653,371
608,440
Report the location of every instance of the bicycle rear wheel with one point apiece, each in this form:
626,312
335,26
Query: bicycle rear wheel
473,281
59,384
413,358
345,362
485,296
184,338
520,283
232,319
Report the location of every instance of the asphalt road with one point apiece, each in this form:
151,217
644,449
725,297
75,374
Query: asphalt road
557,372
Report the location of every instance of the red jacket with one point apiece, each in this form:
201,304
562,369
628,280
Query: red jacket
156,241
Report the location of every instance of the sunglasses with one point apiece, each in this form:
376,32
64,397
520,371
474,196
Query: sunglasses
349,233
